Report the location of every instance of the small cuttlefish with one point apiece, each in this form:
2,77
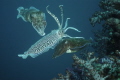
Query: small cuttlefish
34,16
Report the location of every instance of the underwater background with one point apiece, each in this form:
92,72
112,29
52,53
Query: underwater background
17,36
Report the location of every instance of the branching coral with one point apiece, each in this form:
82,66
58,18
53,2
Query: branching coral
62,77
114,23
110,8
107,40
101,40
88,65
110,13
93,68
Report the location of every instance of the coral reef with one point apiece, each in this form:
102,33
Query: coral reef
109,36
110,8
106,68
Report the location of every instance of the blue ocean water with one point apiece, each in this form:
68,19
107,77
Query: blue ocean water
17,36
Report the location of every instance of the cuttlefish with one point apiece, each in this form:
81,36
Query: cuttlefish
34,16
70,45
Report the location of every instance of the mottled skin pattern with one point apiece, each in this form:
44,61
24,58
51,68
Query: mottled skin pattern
72,44
34,16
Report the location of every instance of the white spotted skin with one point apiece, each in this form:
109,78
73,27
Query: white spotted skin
44,44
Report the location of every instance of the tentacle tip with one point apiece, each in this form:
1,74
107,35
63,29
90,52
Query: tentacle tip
68,18
60,5
47,6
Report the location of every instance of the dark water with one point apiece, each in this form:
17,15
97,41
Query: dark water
16,36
